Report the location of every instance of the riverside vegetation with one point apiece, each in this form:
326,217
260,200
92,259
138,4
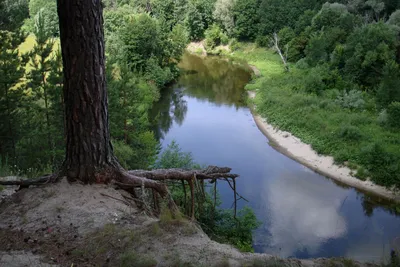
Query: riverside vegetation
341,95
343,90
143,49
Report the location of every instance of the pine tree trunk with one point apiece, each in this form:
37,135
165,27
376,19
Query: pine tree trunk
89,155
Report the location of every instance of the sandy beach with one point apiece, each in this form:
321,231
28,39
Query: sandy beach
294,148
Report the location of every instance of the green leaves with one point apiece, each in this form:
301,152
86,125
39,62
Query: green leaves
48,10
367,51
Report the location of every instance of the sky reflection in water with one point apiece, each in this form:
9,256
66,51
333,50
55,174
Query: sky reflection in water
303,214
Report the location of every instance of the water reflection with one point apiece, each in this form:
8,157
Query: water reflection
169,109
304,215
216,80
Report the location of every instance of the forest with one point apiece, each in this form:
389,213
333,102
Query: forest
344,55
335,83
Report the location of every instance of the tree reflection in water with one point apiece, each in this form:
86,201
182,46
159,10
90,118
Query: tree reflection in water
213,79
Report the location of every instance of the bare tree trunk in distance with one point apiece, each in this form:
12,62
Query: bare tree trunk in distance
277,48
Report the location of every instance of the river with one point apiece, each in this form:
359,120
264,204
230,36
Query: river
303,214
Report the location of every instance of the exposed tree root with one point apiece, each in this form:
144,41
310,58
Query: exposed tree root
129,180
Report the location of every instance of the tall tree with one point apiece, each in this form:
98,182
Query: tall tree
11,73
89,153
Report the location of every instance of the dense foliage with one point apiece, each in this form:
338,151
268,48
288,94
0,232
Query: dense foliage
343,92
143,45
218,223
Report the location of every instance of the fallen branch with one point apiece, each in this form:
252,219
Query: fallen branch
210,173
28,182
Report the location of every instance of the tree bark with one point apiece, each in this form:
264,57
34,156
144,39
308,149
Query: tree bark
89,155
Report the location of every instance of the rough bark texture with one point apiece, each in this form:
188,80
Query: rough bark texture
89,155
210,173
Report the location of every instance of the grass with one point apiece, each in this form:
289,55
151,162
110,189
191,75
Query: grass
352,137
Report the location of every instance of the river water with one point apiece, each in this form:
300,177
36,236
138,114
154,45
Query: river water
303,214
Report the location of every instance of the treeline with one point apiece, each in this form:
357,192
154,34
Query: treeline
342,94
142,50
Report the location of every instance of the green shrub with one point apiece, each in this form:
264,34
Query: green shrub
214,37
381,164
322,78
383,118
393,112
352,100
263,41
218,223
389,88
235,45
224,39
350,133
361,174
302,64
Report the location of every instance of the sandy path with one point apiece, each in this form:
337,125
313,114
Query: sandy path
294,148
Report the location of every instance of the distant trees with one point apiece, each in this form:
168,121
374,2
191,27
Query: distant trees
12,14
48,9
12,69
199,17
367,51
224,15
394,18
246,19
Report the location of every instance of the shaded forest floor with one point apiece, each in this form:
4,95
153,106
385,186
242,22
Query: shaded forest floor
75,225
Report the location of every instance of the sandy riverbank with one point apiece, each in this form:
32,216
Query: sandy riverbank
294,148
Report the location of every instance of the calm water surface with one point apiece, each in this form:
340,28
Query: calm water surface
303,214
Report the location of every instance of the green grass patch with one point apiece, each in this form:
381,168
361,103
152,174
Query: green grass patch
318,116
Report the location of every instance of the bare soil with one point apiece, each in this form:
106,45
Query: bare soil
78,225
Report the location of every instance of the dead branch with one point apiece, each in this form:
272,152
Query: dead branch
210,173
275,41
28,182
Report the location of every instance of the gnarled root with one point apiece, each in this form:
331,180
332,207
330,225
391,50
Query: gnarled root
128,180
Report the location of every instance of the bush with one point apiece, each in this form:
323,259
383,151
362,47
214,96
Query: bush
302,64
393,112
321,78
362,174
224,39
215,37
350,133
285,36
395,18
263,41
218,223
352,100
235,45
174,157
389,88
383,118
